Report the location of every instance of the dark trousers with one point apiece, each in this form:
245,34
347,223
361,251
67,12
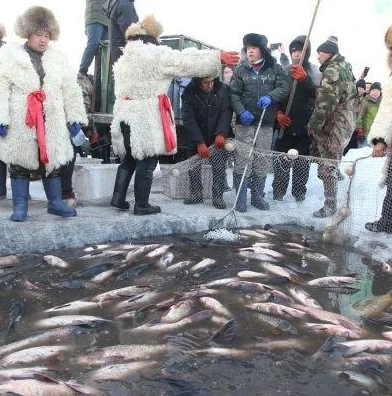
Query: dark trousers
66,172
18,172
3,179
386,213
282,166
352,144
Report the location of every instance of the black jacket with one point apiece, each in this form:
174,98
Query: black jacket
122,14
205,115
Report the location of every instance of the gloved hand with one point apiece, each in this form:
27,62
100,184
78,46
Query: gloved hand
229,57
93,138
284,121
202,150
298,73
79,139
360,135
246,117
3,130
219,140
75,127
264,101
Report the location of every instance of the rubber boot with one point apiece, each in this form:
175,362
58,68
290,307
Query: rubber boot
123,178
330,192
52,187
257,191
195,187
142,194
20,198
241,200
3,180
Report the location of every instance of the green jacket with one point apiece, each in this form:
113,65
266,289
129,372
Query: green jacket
94,13
368,114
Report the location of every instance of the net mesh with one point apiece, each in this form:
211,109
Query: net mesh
281,181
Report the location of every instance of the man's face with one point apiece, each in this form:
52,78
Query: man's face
375,93
322,57
360,90
296,56
207,84
253,54
39,41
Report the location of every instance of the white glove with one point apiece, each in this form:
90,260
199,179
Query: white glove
79,139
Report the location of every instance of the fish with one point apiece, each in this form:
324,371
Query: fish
362,380
370,307
177,267
55,261
165,260
280,271
179,311
278,325
249,287
231,353
251,274
202,265
260,253
288,344
226,333
14,313
139,252
159,251
277,310
9,261
76,306
70,320
335,330
303,297
127,291
219,282
369,345
37,354
387,335
333,281
215,306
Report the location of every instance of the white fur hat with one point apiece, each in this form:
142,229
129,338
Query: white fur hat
149,26
2,32
34,19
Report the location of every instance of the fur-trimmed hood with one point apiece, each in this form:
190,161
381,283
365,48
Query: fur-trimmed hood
149,26
388,44
36,18
2,32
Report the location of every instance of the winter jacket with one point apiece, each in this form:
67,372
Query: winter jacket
305,94
368,114
63,104
122,15
382,125
247,86
333,119
205,115
94,13
141,74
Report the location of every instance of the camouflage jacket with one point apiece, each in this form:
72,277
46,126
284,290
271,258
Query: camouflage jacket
334,107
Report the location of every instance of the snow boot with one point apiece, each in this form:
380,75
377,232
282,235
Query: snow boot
257,193
142,194
52,187
123,178
242,194
20,198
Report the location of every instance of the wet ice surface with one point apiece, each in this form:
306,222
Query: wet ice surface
255,358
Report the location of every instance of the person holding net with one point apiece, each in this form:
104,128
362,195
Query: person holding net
258,84
380,136
206,114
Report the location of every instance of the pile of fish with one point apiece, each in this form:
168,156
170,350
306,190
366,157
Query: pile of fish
111,316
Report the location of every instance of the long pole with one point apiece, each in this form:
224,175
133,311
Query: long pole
301,61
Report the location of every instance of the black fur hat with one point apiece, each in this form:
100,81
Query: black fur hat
256,40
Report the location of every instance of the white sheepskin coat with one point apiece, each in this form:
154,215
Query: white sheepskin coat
142,73
64,103
382,124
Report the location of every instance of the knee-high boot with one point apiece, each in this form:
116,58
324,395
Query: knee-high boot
195,187
241,200
52,187
20,198
257,191
330,193
123,178
3,180
142,194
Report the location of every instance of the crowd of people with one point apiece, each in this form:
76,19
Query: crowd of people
292,104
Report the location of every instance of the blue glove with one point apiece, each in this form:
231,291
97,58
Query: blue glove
79,139
3,130
246,117
75,127
264,101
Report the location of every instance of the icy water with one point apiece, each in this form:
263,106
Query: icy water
212,344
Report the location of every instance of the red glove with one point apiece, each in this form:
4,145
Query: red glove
284,121
298,73
202,150
93,138
229,57
219,140
360,135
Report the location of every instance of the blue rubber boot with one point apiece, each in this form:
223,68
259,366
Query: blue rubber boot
241,201
56,206
20,198
257,191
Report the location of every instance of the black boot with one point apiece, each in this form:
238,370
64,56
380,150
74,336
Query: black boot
142,194
20,198
123,178
218,185
52,187
195,187
3,180
242,194
378,226
257,191
330,193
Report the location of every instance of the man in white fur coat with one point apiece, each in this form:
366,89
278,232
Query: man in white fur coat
39,98
380,136
143,126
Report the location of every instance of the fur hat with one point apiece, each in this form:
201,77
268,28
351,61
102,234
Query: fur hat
34,19
375,85
361,83
149,26
2,32
330,46
256,40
